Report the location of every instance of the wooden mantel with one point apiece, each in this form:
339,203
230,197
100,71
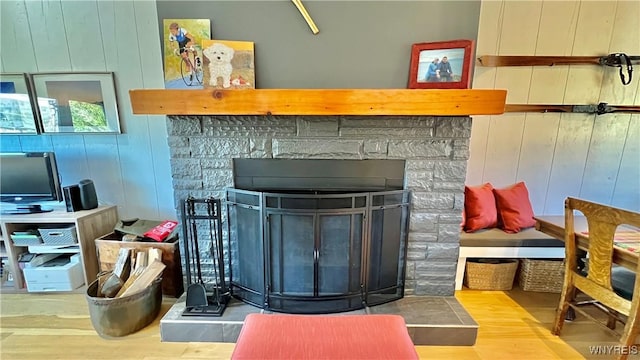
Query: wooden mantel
318,102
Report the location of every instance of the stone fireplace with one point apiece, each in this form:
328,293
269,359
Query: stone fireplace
435,150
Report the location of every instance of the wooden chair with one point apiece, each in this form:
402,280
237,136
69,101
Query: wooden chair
597,284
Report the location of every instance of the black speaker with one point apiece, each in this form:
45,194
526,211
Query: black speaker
72,198
88,196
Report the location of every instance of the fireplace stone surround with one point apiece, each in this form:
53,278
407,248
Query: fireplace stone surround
435,150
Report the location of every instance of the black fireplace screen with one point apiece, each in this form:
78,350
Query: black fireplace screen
317,253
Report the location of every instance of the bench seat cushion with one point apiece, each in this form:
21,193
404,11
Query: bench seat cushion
266,336
498,238
623,281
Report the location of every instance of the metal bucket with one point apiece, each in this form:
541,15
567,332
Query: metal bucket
125,315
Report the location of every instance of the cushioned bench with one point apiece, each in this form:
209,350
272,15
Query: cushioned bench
265,336
495,243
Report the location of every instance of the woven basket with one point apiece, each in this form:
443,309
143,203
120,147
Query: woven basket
541,275
59,236
490,274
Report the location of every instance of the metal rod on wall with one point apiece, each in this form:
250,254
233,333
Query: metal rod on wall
306,16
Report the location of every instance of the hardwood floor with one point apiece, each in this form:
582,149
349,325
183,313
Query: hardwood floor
513,325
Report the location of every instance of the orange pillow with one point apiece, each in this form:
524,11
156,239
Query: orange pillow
514,208
479,208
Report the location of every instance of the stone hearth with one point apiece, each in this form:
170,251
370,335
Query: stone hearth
435,150
431,320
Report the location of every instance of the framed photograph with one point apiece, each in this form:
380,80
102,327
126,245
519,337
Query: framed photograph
18,114
441,65
77,102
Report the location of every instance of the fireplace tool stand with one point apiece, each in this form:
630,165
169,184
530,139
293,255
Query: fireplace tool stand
202,224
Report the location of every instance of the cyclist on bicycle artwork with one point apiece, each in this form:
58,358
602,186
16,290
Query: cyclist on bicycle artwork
184,40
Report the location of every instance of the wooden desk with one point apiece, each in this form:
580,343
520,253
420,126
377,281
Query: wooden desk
554,226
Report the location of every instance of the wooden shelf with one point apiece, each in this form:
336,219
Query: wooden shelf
89,225
49,249
449,102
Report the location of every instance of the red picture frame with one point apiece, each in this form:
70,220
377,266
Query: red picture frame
427,73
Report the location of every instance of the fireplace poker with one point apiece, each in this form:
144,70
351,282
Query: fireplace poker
196,293
214,241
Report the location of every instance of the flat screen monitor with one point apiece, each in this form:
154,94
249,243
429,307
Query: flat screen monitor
27,179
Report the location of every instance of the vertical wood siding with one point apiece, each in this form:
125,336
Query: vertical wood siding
559,155
132,169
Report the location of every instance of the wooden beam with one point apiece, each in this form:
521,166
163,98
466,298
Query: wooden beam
318,102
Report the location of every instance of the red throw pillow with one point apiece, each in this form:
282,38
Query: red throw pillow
514,208
479,208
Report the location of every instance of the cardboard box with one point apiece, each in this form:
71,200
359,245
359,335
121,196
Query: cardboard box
108,246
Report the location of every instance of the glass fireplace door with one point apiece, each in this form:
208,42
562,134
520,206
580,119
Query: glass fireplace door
315,261
291,250
340,254
317,253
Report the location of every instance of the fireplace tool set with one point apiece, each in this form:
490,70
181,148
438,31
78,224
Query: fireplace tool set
202,224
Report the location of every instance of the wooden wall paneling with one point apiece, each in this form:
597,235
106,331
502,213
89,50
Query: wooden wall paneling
489,30
611,131
36,143
569,159
146,16
518,16
1,62
625,39
503,149
515,41
534,166
71,158
10,143
555,36
489,27
48,35
82,26
153,77
556,32
603,159
477,149
87,53
593,36
626,193
516,80
15,37
104,167
118,21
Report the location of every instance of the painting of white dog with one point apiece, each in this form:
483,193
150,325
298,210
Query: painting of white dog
219,56
228,64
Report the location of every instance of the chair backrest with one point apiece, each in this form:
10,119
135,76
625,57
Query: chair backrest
603,221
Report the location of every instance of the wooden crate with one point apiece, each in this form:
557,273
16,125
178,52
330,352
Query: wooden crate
109,245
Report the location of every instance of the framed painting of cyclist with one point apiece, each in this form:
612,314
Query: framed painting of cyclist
183,52
17,112
76,102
